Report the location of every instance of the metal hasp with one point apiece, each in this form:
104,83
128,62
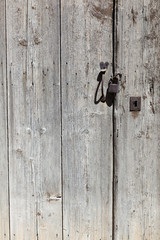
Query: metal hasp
135,103
113,86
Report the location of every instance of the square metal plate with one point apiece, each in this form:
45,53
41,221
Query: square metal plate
135,103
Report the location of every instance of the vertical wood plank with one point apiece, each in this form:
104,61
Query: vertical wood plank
21,163
87,128
4,203
137,135
34,119
44,57
22,199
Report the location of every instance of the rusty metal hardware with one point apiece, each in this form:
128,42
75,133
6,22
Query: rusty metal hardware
104,66
113,86
135,103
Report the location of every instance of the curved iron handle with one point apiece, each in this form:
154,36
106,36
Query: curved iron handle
103,67
110,94
100,82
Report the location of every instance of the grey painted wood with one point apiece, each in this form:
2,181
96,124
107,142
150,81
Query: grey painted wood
87,128
4,201
34,119
34,111
137,134
44,55
20,94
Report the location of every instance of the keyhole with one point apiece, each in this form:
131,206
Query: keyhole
135,103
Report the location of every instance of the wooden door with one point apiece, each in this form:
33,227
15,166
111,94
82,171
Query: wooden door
70,169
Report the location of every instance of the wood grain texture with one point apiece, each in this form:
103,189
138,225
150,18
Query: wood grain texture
22,202
34,119
4,202
44,57
45,32
87,128
137,134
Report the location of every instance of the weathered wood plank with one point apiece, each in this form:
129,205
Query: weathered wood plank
34,117
21,159
4,203
44,57
87,128
137,135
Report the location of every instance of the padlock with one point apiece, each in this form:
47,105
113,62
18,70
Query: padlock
113,88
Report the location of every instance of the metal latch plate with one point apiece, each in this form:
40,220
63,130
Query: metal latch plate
135,103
